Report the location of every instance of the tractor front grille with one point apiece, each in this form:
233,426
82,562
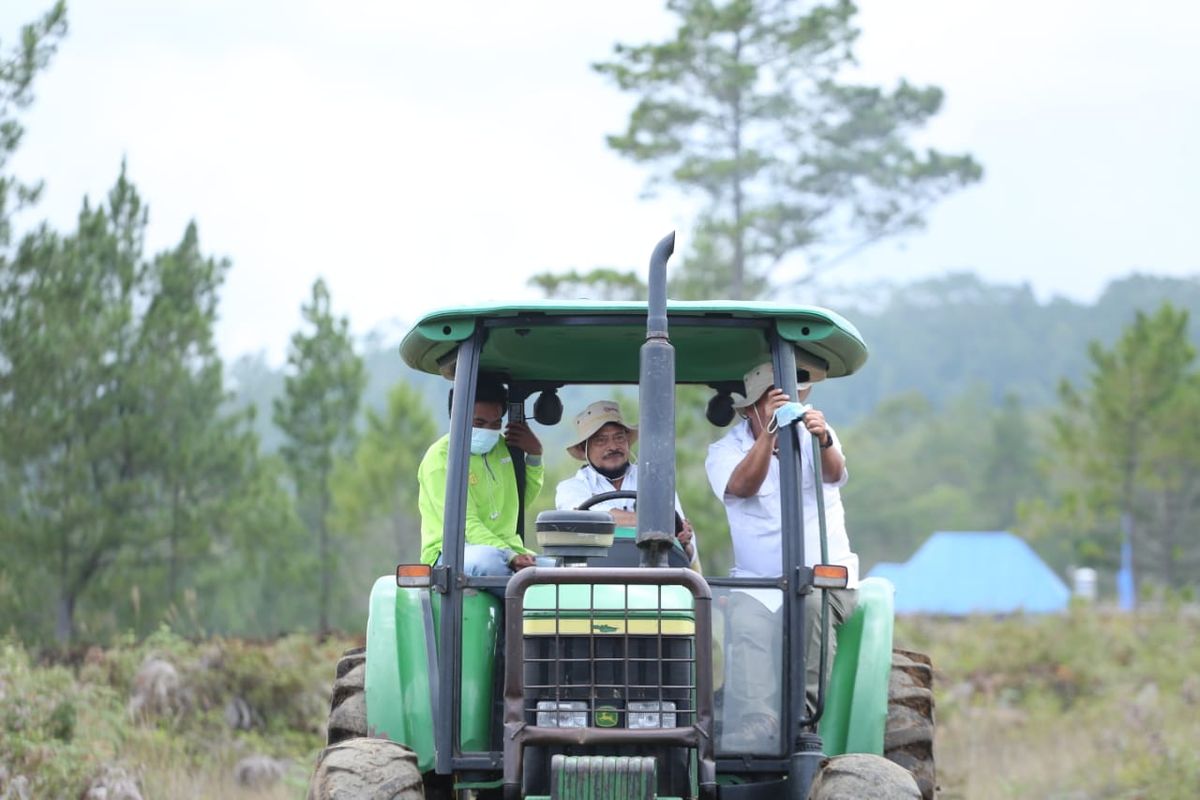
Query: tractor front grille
610,667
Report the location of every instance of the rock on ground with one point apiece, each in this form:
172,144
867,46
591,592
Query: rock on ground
112,783
258,772
157,690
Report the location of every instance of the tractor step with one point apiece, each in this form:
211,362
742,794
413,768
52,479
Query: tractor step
596,777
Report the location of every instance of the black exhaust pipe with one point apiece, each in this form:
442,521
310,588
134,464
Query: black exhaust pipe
656,398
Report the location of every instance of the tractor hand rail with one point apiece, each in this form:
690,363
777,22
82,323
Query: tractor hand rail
810,720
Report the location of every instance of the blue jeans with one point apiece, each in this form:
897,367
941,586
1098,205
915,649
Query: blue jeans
485,561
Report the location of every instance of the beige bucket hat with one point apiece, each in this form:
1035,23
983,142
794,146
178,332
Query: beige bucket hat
757,381
592,419
762,378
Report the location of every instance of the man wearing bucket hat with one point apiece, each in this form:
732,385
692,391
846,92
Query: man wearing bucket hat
743,470
602,439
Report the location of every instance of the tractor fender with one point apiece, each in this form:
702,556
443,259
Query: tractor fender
400,673
402,667
856,706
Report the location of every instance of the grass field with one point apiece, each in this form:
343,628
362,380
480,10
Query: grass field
1085,705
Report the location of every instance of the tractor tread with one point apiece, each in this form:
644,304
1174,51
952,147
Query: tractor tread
348,703
376,769
908,739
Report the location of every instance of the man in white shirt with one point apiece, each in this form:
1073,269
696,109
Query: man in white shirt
743,470
602,440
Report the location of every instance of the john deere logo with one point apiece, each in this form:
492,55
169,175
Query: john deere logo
606,717
600,627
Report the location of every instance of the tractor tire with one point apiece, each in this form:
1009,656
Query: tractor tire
857,776
908,739
348,723
366,769
348,705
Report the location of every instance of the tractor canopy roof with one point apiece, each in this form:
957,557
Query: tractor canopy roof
588,341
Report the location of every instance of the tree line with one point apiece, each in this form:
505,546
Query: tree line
134,490
137,490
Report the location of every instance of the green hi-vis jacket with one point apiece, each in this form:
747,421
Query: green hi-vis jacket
491,498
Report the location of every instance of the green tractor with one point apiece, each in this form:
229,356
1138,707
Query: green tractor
595,677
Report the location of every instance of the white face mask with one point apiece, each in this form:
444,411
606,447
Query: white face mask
483,440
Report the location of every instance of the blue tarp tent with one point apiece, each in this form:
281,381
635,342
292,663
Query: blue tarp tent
959,573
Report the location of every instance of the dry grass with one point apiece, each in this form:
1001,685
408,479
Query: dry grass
1066,708
1087,705
164,779
61,724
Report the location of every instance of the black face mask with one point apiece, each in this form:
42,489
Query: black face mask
611,474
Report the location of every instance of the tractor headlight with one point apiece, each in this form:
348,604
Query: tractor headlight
561,714
651,715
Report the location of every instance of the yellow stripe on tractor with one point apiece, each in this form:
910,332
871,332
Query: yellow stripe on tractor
615,627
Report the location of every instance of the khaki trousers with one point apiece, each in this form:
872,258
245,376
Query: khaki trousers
755,663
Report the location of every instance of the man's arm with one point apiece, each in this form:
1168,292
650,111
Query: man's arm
535,476
478,532
749,474
719,464
430,500
495,534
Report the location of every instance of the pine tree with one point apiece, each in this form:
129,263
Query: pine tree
204,457
37,43
743,106
317,416
1126,443
120,465
375,492
72,418
377,488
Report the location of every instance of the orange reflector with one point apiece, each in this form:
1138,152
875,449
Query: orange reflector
830,576
413,575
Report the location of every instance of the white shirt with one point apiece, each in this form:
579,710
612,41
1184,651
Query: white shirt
588,482
755,523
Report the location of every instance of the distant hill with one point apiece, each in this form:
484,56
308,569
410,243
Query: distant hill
942,336
937,337
256,383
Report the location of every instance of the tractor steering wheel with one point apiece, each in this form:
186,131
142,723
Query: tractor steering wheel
622,494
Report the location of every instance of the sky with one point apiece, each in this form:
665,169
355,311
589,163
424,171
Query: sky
422,155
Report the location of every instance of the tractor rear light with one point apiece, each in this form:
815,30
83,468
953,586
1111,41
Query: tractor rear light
413,576
570,714
651,715
830,576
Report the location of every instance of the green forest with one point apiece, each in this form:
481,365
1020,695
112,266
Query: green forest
150,482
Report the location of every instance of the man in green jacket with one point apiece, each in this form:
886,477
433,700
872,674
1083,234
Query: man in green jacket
494,545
